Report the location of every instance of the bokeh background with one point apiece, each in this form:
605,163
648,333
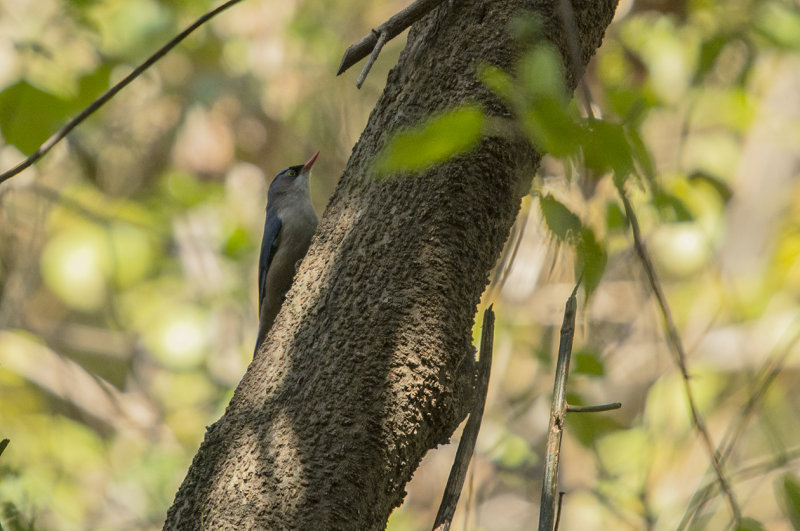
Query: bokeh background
128,260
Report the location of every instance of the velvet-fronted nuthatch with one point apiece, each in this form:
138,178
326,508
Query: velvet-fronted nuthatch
290,224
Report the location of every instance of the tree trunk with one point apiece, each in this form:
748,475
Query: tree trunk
369,364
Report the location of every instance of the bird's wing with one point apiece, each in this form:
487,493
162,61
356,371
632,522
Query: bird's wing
269,244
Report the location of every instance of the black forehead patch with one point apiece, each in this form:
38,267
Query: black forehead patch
295,168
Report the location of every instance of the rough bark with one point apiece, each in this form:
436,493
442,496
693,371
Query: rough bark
369,364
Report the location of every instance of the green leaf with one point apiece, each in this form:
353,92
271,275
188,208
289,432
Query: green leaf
3,445
91,86
562,223
498,81
591,260
237,244
442,137
750,524
542,74
790,498
671,207
615,217
588,362
721,187
605,148
779,24
551,128
640,154
709,51
28,116
629,104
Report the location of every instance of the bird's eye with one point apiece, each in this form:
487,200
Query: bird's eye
292,173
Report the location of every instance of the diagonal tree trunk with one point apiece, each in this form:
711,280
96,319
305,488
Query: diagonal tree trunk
369,364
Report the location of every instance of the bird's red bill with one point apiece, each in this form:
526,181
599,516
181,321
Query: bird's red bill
310,162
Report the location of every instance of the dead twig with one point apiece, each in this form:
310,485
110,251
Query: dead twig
458,472
594,409
558,413
372,42
550,508
679,355
110,93
558,512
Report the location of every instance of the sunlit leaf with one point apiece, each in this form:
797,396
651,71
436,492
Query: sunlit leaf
237,243
498,81
542,74
444,136
561,222
780,24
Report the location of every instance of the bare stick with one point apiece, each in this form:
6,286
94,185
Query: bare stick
593,409
110,93
372,58
466,446
558,411
382,34
558,512
679,354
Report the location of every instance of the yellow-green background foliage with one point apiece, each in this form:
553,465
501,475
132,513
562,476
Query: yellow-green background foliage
128,256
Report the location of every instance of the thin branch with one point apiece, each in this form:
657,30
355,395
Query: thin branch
110,93
679,354
766,376
593,409
760,466
371,60
558,410
466,446
468,503
558,512
372,42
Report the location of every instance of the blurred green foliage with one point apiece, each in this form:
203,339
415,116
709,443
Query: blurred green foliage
127,256
442,137
790,496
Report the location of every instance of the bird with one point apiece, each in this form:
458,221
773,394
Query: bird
289,225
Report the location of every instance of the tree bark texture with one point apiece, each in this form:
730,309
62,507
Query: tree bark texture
370,362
